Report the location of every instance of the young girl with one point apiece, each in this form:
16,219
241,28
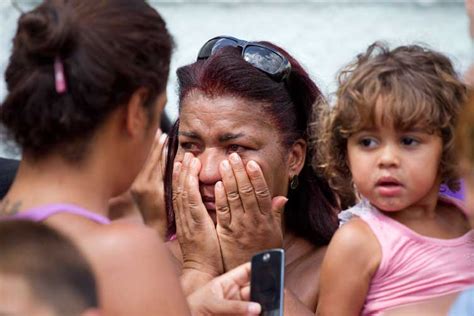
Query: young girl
389,138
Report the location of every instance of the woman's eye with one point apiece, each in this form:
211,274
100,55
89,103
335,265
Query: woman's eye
368,142
235,148
186,146
409,141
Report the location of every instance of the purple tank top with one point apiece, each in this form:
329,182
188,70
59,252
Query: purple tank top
41,213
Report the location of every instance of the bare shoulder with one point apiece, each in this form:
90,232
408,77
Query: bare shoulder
355,236
134,269
352,257
355,242
125,238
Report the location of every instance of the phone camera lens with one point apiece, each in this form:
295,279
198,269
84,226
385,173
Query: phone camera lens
266,257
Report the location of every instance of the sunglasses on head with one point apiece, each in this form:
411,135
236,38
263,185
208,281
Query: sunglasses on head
260,56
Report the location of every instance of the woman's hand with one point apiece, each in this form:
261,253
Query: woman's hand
195,229
227,294
148,188
248,219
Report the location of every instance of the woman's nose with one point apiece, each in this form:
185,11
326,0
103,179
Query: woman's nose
210,160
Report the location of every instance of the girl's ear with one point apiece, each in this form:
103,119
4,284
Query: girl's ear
136,116
297,157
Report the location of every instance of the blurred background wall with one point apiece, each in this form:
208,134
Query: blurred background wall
322,35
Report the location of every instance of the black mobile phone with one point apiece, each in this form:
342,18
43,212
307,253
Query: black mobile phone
267,281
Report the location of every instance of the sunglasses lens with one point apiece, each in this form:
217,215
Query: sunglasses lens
206,49
223,42
264,59
214,45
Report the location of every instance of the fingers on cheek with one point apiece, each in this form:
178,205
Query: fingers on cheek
253,170
195,166
226,171
219,192
176,187
176,172
192,185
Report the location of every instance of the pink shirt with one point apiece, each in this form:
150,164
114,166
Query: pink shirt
414,267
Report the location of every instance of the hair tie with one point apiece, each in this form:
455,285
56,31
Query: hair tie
59,77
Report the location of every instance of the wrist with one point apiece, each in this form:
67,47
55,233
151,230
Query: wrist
192,279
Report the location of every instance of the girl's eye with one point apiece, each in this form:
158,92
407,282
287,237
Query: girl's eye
368,142
409,141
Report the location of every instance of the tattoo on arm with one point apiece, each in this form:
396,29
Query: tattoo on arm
8,208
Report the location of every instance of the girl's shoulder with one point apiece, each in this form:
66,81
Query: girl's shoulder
363,209
354,254
356,240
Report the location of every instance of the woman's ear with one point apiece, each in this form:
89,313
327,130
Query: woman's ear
136,116
297,157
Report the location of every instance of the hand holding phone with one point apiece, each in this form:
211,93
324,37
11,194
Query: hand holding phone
267,281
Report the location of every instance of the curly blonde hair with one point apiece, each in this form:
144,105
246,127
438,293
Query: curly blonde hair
419,88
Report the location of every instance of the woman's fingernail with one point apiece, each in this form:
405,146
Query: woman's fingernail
252,165
177,166
254,308
194,162
234,158
219,185
187,157
225,164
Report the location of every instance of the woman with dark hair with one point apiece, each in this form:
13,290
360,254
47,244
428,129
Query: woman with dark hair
241,166
86,87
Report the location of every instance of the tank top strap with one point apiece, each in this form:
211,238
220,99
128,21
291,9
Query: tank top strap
41,213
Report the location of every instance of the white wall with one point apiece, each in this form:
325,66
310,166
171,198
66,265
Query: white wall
323,36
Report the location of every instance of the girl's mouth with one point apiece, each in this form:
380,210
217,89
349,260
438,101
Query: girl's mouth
389,186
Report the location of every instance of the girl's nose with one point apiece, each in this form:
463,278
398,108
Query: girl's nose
389,156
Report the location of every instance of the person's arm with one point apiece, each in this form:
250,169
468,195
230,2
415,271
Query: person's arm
134,272
350,262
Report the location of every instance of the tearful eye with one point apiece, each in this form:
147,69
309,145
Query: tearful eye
187,146
235,148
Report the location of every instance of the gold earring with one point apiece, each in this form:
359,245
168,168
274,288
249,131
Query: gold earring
294,182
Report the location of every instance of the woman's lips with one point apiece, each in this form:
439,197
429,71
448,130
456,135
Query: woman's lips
210,205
